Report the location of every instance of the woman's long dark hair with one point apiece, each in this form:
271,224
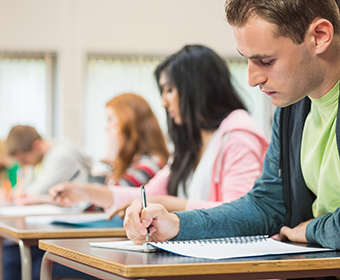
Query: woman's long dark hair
206,97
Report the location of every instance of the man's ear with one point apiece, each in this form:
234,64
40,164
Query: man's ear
320,33
36,145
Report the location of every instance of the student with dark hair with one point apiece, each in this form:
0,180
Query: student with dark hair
292,48
218,147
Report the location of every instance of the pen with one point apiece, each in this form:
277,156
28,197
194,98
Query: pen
69,180
142,189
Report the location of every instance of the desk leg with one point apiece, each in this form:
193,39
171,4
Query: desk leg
46,267
49,258
1,258
26,260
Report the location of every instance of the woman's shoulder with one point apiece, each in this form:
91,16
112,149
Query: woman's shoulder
238,116
140,171
241,120
152,162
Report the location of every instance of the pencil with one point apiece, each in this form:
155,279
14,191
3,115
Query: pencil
69,180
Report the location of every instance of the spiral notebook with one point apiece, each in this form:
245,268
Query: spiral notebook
221,248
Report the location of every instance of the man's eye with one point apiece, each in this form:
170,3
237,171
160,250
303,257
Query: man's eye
267,62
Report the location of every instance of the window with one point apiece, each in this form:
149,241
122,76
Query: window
110,76
26,92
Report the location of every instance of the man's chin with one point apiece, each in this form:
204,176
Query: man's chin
280,103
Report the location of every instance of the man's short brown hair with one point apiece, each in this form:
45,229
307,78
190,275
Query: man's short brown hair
21,139
291,17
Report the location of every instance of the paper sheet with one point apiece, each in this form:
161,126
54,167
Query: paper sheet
69,218
41,209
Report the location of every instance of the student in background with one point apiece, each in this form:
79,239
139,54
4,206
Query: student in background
52,162
218,147
136,148
292,48
136,151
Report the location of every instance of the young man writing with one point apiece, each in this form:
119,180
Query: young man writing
53,162
293,51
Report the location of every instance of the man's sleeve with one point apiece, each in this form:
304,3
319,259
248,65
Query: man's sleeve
325,230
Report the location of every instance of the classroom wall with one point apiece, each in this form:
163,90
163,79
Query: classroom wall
74,28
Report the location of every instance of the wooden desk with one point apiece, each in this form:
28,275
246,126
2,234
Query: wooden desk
114,264
27,235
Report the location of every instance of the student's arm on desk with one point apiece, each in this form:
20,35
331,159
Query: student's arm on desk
69,193
32,199
162,224
325,230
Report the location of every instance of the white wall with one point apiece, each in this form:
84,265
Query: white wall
74,28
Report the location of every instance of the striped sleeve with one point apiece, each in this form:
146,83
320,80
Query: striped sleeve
140,172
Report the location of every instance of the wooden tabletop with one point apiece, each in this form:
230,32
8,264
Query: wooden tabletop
160,264
16,227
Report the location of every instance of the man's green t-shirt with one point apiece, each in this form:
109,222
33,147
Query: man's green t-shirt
320,161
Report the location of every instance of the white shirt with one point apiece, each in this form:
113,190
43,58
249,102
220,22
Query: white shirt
58,165
198,182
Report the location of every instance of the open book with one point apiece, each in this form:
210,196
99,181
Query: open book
221,248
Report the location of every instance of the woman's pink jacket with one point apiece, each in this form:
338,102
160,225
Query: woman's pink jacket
240,149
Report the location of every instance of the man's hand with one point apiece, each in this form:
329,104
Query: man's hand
162,224
296,234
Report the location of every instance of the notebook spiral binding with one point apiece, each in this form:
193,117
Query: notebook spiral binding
225,240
